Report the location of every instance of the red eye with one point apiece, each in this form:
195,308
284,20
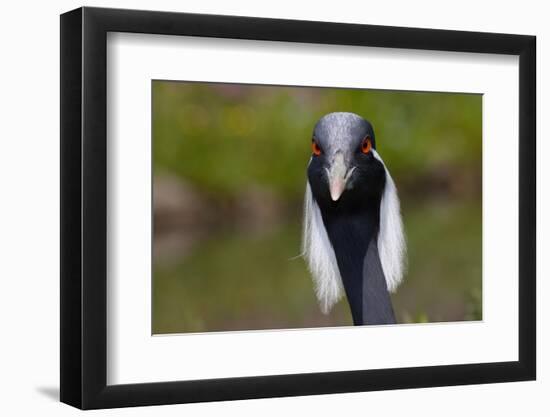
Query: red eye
366,146
315,148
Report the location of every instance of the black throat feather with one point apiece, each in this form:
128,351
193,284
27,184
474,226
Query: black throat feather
352,227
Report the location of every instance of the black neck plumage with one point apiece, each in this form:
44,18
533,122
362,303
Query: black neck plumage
353,232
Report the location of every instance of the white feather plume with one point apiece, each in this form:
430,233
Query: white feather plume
392,247
319,255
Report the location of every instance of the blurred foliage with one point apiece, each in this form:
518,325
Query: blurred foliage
223,138
236,281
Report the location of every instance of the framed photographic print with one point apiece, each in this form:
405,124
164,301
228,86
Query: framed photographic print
258,207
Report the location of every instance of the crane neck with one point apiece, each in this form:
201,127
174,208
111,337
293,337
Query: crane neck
353,232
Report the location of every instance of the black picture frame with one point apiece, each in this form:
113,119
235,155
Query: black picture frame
84,207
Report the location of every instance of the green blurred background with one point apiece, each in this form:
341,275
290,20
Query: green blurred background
229,177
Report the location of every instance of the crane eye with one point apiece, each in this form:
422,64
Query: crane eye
316,149
366,146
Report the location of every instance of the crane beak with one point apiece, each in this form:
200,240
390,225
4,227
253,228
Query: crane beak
337,187
338,176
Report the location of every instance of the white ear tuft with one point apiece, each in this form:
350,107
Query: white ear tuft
319,255
392,246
